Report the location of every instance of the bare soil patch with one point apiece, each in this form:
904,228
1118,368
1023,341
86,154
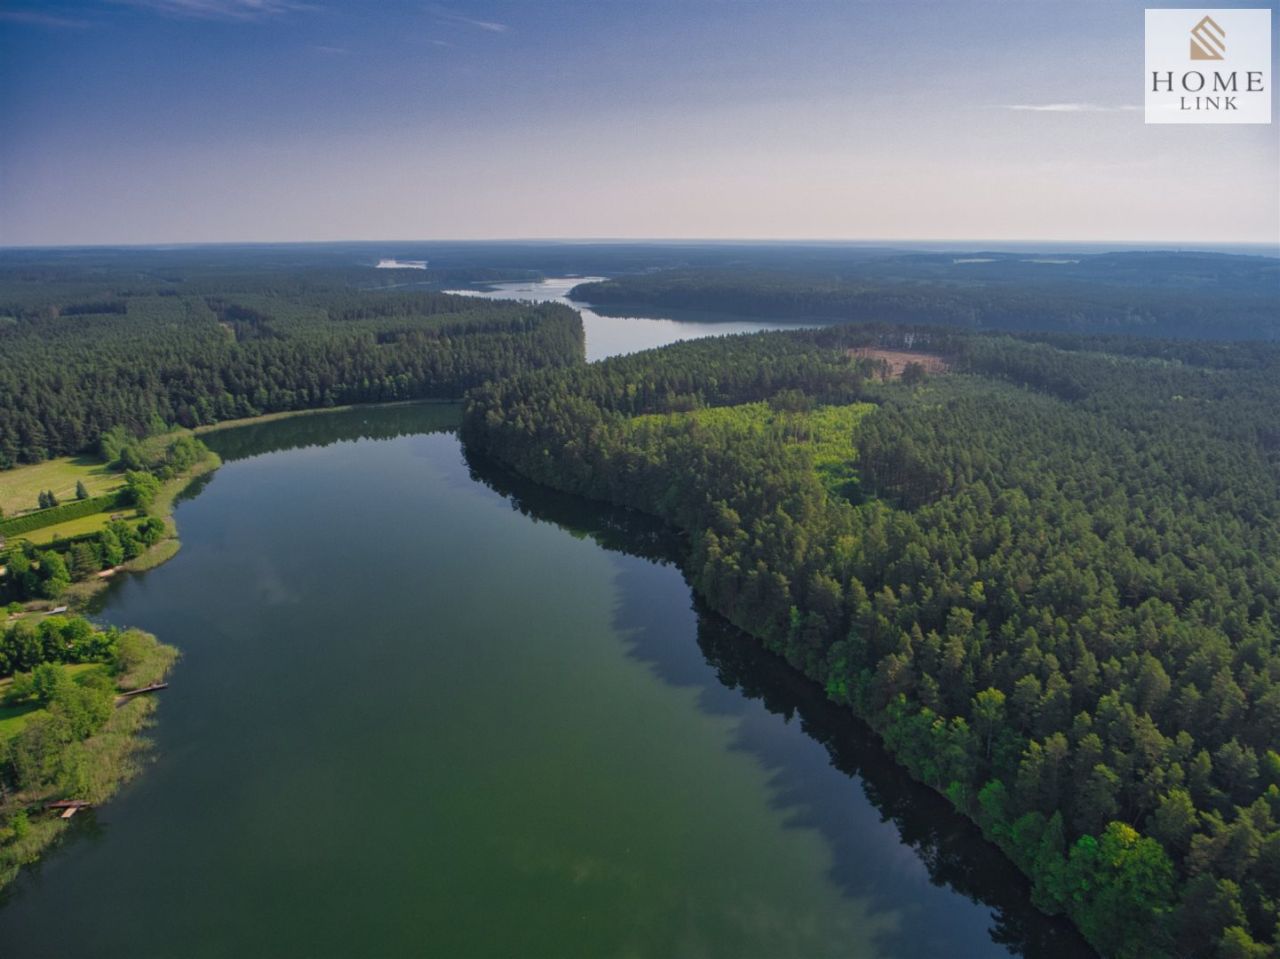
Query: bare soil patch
895,361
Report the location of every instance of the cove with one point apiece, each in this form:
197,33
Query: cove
427,708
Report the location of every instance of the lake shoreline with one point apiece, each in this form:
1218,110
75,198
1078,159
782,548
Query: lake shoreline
112,756
313,411
80,594
117,747
164,809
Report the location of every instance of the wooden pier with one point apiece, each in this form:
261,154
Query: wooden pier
143,689
69,807
124,697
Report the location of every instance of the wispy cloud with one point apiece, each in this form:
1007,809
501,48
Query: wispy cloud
1068,107
34,18
450,16
221,9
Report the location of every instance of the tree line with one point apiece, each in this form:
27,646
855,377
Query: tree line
1053,590
70,372
954,297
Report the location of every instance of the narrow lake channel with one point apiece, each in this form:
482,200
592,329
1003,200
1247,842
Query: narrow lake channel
427,708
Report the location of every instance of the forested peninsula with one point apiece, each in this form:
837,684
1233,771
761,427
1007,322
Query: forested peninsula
1045,569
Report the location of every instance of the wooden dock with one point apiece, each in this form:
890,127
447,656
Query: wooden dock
124,697
69,807
143,689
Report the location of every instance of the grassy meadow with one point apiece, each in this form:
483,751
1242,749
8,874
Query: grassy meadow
20,487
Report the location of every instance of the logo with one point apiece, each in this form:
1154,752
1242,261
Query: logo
1208,40
1193,75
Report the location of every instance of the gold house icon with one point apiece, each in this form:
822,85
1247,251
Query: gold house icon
1208,40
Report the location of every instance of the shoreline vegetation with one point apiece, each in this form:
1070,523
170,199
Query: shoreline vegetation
67,732
290,414
71,735
130,528
92,769
985,573
103,399
1043,567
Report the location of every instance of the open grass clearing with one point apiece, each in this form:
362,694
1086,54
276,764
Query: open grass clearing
75,527
20,487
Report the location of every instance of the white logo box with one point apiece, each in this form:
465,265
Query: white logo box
1208,65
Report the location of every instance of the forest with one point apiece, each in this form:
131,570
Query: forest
82,353
1185,296
1048,578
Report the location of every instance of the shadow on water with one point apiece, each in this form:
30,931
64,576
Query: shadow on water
733,677
383,422
948,846
310,429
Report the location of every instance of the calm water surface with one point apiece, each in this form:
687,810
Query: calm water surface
426,708
610,335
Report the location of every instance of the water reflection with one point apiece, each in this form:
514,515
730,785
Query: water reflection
896,850
812,787
382,422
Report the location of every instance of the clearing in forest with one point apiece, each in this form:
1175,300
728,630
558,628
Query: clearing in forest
21,486
897,360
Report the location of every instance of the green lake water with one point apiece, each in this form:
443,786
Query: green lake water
427,709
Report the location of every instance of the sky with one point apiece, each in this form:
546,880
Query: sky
177,121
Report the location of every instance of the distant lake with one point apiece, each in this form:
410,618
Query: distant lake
611,333
428,708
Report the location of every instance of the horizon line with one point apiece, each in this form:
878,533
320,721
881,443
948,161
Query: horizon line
669,241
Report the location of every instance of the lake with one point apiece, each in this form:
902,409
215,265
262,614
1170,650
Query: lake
613,333
428,708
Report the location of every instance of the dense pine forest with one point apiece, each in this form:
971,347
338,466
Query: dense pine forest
81,353
1049,577
1044,566
1186,296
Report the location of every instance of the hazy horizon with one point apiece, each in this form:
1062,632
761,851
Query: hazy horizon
992,245
160,122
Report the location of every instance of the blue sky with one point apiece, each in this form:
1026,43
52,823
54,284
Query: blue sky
148,121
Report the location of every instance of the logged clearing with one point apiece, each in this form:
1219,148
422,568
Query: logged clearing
896,360
20,487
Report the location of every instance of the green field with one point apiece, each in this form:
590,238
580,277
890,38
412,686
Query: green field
73,527
20,487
